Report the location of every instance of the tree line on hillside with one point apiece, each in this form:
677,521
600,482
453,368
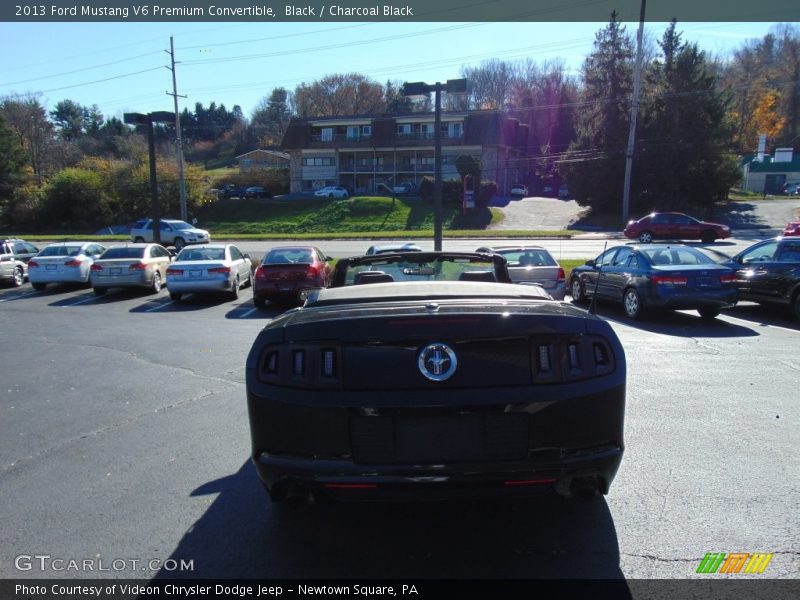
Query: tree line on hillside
698,113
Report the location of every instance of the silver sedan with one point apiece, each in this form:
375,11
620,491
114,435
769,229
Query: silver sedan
69,262
131,265
209,268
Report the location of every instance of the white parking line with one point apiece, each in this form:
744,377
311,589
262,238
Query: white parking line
160,306
249,312
25,295
751,323
79,302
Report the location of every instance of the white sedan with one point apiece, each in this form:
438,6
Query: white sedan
210,268
332,191
69,262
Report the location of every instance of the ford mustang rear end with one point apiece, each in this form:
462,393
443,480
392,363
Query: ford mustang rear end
435,390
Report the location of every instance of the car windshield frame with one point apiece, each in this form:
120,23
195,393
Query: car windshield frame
421,266
123,252
651,254
67,251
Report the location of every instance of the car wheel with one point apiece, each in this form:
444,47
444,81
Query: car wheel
18,277
708,237
646,237
632,303
235,288
99,291
708,313
259,302
175,296
179,244
39,287
155,286
577,291
138,240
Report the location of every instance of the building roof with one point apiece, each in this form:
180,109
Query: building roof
768,165
275,153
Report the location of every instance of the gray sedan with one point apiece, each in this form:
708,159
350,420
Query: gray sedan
131,265
533,265
210,268
68,262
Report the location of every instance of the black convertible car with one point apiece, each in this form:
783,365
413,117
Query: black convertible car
434,387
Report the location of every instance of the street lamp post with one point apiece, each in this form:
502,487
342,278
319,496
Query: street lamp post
453,86
148,120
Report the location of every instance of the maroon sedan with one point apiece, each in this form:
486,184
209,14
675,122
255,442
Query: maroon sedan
288,270
674,226
792,228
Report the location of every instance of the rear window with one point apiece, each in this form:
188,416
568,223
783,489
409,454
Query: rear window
676,256
284,256
61,251
529,258
123,252
201,254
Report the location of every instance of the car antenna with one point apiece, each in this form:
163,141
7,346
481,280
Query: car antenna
593,304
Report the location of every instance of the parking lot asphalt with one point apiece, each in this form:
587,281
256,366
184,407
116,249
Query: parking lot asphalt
124,436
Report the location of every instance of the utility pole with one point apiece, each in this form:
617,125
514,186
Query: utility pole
178,140
637,79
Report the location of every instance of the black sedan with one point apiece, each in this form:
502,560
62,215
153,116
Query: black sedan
769,273
656,276
435,389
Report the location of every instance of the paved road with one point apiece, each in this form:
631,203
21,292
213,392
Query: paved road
123,435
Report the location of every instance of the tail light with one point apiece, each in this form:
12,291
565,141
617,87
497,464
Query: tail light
172,271
730,278
670,280
561,275
225,270
72,263
312,272
570,358
261,273
95,268
137,266
32,264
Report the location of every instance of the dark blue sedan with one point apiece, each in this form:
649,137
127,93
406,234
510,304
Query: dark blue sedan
656,276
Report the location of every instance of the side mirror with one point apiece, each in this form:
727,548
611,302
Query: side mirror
328,258
245,255
590,263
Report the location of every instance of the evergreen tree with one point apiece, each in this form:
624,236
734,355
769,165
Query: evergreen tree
271,118
595,162
682,159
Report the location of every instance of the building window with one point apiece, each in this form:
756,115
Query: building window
352,132
327,134
366,131
455,130
404,128
318,161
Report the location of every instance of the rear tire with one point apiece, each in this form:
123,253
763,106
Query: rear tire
179,244
155,286
578,295
708,237
99,291
646,237
18,277
708,313
39,287
235,288
632,303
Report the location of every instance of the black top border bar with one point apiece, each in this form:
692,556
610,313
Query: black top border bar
276,11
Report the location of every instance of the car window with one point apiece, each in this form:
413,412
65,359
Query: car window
59,250
19,248
282,256
762,253
789,252
633,262
415,268
605,258
622,256
123,252
181,225
683,220
4,249
140,224
533,257
676,256
235,253
661,219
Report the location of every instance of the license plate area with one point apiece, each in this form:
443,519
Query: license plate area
195,273
116,271
51,267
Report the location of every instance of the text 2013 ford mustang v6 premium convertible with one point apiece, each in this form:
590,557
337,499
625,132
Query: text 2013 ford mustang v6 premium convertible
434,388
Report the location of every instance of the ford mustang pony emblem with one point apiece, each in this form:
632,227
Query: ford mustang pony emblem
437,362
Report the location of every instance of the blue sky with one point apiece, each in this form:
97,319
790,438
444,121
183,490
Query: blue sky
121,66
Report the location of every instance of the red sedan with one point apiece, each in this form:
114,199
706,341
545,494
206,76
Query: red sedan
288,270
792,228
674,226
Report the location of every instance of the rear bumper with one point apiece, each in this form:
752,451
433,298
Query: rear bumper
139,279
74,276
199,286
717,299
571,446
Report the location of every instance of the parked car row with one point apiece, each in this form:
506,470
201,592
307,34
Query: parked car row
648,277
